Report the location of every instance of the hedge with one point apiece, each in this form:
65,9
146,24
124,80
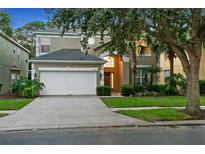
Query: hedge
103,90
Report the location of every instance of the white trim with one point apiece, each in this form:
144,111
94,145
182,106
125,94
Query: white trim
68,69
57,33
32,72
67,61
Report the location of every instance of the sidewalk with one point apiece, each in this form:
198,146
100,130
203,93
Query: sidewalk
147,108
173,123
8,111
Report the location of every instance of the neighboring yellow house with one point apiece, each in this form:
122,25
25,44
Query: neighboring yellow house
202,65
165,67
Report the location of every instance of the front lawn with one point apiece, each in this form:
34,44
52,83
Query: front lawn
3,114
148,101
166,114
14,104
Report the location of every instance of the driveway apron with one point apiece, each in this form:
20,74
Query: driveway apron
65,112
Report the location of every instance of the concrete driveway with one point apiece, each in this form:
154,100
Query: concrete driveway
65,112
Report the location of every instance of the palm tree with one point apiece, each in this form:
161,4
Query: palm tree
171,55
152,70
158,49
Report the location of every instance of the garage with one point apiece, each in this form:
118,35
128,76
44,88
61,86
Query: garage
69,82
68,72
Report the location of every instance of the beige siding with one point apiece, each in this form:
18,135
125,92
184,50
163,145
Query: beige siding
8,58
202,65
165,65
125,73
61,43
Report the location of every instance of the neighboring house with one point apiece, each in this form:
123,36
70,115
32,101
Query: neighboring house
66,70
165,67
13,62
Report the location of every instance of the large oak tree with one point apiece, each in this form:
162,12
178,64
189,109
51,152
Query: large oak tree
183,30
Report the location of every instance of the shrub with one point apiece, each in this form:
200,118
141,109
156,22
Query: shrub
177,83
104,90
26,87
1,86
170,90
202,86
29,92
154,88
139,88
126,90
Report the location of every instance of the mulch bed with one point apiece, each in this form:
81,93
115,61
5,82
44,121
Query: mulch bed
9,96
196,116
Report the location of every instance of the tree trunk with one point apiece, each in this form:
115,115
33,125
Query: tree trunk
193,92
134,69
151,79
130,71
171,60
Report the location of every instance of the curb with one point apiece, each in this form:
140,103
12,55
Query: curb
167,124
64,127
148,124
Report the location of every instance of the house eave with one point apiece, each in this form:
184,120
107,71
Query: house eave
67,61
14,42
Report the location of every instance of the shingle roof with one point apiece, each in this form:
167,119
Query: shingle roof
68,55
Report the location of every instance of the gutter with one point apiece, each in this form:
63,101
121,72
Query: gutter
67,61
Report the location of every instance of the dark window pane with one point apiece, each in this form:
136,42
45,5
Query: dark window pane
45,48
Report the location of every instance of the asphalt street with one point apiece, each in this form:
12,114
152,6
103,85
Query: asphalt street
108,136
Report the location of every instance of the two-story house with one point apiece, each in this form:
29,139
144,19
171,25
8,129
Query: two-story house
13,62
65,69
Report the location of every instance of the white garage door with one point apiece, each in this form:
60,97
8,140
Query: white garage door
68,83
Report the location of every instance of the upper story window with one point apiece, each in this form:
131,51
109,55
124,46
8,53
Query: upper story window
146,51
45,48
110,61
45,45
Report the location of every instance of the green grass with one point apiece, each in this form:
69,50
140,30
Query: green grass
166,114
14,104
3,114
148,101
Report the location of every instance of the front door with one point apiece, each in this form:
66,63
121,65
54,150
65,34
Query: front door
107,78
